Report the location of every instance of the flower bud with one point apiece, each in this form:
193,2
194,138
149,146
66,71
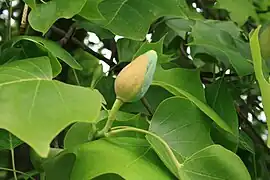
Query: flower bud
134,80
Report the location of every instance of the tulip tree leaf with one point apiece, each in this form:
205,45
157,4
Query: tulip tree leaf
130,49
214,163
7,139
178,82
263,83
24,104
130,158
132,18
53,48
220,100
239,15
222,46
42,17
174,127
31,3
90,10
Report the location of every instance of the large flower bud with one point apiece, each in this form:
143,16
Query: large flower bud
134,80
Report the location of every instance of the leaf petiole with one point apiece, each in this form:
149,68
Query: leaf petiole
119,129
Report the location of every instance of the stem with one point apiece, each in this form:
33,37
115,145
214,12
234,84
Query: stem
9,5
12,157
120,129
112,116
19,172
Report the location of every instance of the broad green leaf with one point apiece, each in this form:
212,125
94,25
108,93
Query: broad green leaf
44,15
223,46
184,128
102,33
31,3
238,14
59,167
263,83
221,101
132,18
130,49
90,10
55,49
182,90
28,113
185,79
214,163
79,133
127,48
91,73
130,158
6,139
180,26
108,176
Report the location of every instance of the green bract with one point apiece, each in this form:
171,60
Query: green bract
134,80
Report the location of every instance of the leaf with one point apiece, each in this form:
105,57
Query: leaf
186,79
222,46
31,3
5,140
214,162
180,26
182,125
130,158
263,83
132,19
181,91
59,167
27,84
130,49
90,10
55,49
79,133
239,15
91,72
44,15
221,101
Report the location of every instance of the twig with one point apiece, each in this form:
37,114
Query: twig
68,35
24,19
83,46
147,105
247,127
8,2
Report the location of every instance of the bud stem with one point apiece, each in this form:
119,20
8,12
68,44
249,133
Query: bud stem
112,116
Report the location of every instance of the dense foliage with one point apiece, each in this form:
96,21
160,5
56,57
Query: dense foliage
203,117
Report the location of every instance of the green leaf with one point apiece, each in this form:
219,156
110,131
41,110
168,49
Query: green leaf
91,72
237,14
183,126
44,15
263,83
130,49
79,133
55,49
5,140
31,3
168,80
33,117
214,162
222,46
185,79
132,19
59,167
221,101
130,158
180,26
90,10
